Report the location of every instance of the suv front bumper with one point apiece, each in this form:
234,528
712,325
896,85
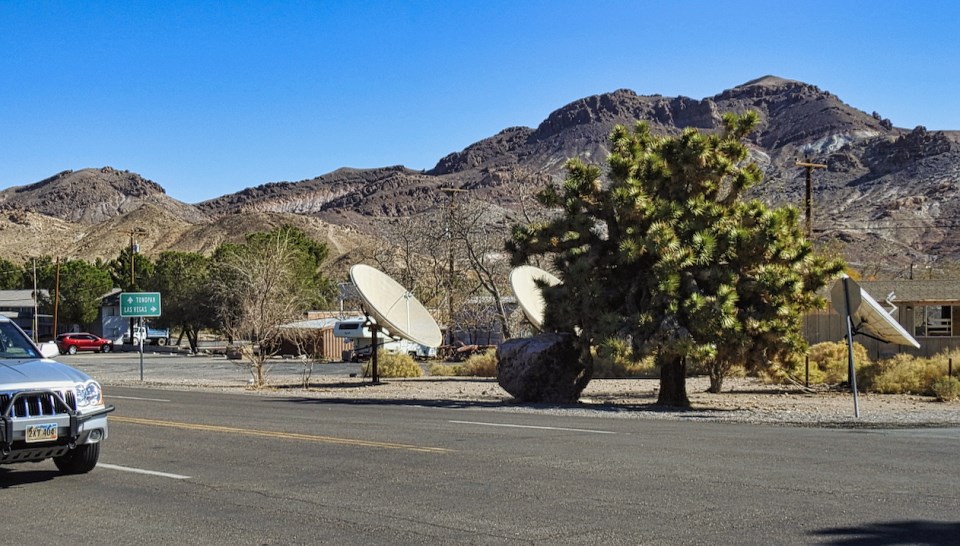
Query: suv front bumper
73,428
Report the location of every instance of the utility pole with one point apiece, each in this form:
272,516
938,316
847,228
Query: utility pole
35,308
133,276
451,192
56,299
808,203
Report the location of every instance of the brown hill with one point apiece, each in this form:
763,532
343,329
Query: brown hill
94,196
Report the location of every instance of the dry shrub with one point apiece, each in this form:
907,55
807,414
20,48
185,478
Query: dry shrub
613,359
394,365
444,370
829,363
946,389
480,365
906,374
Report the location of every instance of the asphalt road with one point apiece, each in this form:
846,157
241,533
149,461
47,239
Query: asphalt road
206,468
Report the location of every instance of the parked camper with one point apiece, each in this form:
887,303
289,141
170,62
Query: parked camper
359,333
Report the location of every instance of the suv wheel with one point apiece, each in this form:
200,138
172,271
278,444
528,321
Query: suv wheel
72,349
80,460
105,348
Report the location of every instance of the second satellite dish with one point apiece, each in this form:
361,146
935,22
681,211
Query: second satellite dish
393,307
868,314
523,280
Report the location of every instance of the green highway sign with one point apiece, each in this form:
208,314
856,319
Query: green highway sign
140,304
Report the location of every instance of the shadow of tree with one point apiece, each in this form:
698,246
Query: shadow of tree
932,533
10,478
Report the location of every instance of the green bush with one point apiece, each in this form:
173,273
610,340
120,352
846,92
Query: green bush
946,389
614,359
394,365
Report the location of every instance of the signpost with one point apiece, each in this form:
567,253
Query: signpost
139,305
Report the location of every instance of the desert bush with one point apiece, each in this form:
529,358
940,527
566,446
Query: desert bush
613,359
394,365
444,370
480,365
828,363
946,389
905,374
477,365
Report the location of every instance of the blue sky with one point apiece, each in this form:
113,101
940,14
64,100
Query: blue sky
209,98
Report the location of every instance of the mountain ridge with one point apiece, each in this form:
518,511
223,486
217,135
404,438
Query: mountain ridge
878,176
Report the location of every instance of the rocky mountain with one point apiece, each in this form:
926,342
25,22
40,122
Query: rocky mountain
887,195
93,196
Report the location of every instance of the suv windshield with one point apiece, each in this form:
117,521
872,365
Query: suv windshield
14,344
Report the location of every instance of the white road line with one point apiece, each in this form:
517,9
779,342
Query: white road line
137,398
142,471
532,426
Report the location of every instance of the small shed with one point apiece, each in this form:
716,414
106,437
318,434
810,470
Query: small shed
313,337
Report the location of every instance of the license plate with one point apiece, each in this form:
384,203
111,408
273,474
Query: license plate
41,433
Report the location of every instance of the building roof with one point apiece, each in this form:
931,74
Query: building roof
19,298
313,324
915,291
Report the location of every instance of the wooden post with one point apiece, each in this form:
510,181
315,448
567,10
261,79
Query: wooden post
808,202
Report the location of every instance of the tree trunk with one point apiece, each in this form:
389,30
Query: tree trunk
716,380
193,337
673,381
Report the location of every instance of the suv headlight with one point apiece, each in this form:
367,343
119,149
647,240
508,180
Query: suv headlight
89,394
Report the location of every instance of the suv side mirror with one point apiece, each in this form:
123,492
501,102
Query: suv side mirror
49,349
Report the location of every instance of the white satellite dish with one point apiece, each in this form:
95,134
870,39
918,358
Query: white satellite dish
868,315
393,307
523,280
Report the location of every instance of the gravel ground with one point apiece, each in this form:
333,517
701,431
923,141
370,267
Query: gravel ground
743,400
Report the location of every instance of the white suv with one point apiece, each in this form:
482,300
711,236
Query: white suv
48,410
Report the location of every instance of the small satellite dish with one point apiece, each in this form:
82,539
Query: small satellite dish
867,314
393,307
523,280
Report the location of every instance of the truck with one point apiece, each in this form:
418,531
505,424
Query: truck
150,336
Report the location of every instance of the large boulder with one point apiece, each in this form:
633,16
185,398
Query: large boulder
543,368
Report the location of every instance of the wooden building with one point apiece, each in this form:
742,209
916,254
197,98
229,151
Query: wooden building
928,309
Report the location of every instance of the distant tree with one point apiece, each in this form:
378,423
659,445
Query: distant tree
183,280
11,276
263,284
477,234
669,255
127,279
82,287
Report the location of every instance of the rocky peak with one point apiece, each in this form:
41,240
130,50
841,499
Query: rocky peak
92,196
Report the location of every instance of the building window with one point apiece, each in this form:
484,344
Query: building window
933,320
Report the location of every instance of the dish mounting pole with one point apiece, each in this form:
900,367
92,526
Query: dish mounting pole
851,372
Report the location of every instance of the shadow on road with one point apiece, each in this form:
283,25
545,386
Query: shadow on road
10,478
931,533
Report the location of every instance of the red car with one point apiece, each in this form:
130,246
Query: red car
82,341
